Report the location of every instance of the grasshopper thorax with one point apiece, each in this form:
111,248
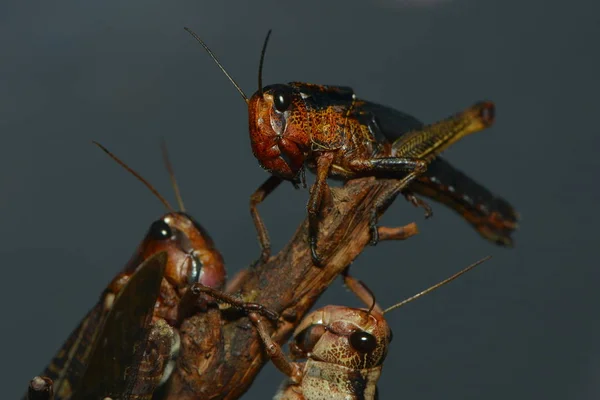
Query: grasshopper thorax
279,132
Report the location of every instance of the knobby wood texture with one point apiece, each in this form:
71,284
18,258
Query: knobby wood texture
221,356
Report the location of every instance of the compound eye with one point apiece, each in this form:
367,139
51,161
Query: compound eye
160,230
282,99
363,342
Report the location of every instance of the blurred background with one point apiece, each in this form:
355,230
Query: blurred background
524,325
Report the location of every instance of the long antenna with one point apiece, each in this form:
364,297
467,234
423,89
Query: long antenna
210,53
138,176
262,60
437,285
169,166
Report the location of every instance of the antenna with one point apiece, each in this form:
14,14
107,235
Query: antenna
169,166
437,285
138,176
262,60
211,54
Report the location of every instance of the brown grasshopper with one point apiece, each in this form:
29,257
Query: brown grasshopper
344,348
81,370
330,131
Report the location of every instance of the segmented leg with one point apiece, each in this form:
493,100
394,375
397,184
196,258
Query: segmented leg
428,142
263,236
40,388
417,202
275,352
431,140
234,302
362,291
317,193
389,166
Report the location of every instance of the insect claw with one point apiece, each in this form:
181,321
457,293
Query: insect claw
419,203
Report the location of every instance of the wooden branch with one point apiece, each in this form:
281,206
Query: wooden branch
221,361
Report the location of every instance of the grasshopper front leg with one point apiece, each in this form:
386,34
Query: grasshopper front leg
280,360
315,203
263,236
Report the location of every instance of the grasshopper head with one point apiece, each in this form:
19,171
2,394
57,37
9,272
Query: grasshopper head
352,337
278,130
192,257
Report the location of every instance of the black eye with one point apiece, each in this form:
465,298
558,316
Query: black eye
282,99
363,341
159,230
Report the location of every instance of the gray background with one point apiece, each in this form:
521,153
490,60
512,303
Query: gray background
524,325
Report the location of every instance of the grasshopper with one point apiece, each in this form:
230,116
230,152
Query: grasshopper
192,257
125,349
344,348
333,133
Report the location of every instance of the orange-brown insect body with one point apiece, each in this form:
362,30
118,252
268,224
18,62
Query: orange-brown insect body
334,134
319,119
330,131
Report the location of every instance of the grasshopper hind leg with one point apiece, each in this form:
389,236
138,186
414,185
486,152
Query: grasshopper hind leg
389,167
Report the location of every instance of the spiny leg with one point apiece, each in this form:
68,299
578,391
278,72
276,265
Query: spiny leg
275,352
234,302
255,311
429,141
388,166
317,193
263,236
